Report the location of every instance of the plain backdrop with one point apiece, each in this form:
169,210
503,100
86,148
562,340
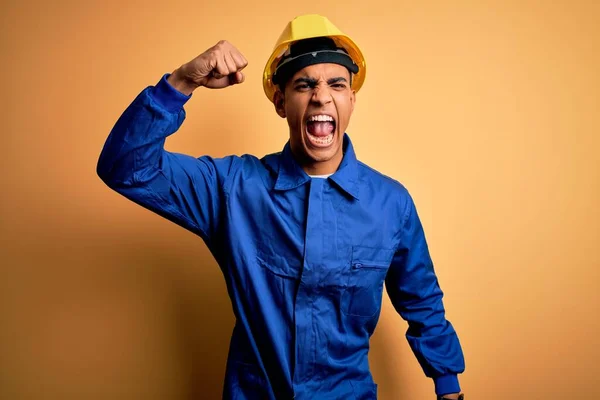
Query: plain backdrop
487,111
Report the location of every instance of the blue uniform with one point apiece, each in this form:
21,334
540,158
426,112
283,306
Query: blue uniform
305,260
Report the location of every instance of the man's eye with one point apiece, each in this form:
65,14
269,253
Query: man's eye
339,85
302,87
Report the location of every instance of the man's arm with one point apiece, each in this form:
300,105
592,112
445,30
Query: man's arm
415,293
133,162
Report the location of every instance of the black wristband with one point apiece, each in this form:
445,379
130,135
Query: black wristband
460,397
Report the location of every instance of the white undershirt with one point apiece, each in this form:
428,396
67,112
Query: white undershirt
321,176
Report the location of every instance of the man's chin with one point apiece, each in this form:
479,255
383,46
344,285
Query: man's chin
319,155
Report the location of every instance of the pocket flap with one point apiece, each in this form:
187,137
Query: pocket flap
373,257
279,264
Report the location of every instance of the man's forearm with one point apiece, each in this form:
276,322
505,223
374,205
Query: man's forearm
136,141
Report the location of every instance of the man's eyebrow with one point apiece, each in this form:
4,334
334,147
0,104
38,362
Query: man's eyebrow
313,81
336,80
309,81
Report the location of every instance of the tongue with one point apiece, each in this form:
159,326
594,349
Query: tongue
319,128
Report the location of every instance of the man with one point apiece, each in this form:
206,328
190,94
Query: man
306,237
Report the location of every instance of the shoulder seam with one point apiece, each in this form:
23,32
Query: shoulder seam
382,175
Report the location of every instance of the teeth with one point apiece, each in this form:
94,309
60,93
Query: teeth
321,118
321,140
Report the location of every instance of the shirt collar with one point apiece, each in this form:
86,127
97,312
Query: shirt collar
291,175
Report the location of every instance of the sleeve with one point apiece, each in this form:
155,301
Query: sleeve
133,162
414,291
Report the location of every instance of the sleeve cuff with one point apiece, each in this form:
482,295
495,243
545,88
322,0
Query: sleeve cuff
167,96
446,384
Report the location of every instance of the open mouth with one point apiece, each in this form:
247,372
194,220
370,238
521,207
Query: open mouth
320,130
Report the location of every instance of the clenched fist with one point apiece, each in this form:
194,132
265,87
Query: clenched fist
216,68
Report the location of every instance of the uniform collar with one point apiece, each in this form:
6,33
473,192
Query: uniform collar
291,175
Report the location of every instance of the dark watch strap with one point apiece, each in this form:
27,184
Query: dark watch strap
460,397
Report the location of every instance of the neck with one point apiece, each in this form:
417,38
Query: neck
322,167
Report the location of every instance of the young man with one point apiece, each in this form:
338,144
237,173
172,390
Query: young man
306,237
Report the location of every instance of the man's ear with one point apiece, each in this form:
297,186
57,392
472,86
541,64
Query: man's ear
279,102
352,94
352,100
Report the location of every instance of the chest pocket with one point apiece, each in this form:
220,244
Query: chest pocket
364,288
284,265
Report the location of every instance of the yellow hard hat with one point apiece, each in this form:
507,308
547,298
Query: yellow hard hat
307,27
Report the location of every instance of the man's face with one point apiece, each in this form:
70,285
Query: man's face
317,103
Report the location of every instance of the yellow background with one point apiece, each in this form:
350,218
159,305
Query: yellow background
486,110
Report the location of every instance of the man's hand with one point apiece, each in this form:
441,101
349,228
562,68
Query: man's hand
216,68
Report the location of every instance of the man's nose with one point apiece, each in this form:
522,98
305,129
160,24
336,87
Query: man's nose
321,95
